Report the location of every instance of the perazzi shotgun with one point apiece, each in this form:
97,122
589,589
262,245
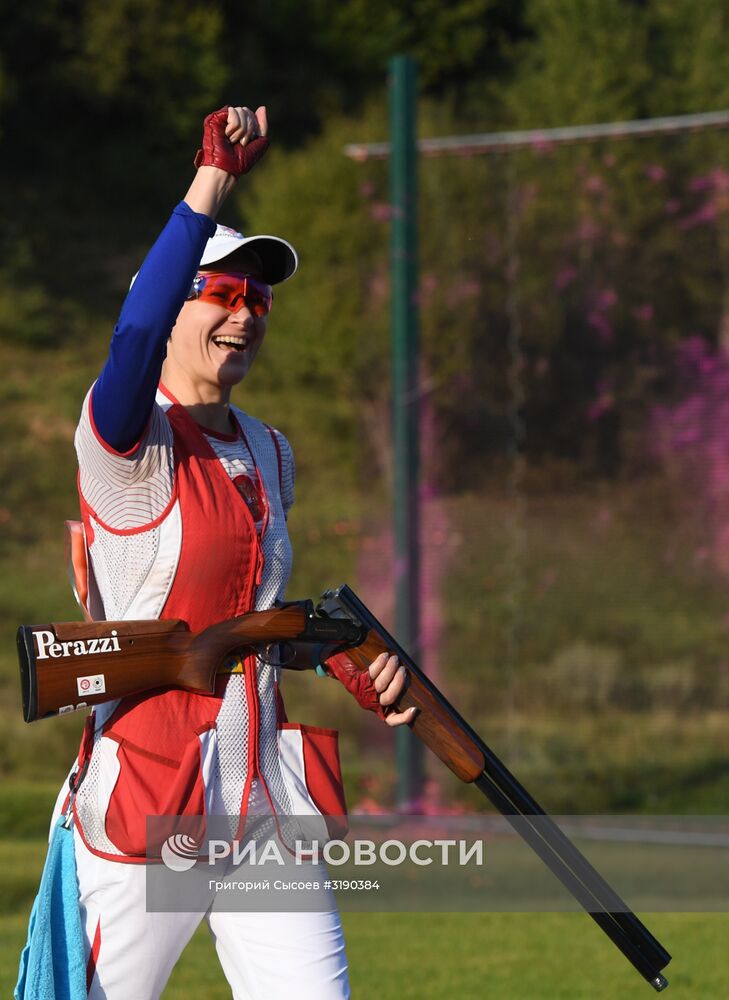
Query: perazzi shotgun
65,667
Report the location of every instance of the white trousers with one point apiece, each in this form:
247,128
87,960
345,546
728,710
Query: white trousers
264,956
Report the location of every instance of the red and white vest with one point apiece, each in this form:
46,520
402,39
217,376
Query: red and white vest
169,535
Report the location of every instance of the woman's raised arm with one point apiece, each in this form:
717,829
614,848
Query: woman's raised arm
234,139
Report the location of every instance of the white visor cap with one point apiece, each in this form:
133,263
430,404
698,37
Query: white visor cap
278,258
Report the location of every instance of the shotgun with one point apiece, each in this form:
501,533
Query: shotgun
74,665
68,666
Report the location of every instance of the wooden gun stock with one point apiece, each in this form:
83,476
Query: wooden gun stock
66,666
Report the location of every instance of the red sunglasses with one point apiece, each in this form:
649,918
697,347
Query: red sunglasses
232,292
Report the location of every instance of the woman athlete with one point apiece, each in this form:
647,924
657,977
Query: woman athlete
184,500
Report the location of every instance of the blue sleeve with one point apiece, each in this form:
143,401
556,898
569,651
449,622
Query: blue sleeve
123,396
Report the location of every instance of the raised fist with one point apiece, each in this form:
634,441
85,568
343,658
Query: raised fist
234,140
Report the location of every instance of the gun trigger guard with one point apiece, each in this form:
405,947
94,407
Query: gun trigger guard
292,654
278,661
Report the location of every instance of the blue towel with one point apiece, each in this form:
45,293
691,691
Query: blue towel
53,964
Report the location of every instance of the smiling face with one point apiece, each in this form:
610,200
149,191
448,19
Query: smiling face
210,349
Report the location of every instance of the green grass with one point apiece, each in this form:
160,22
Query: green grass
472,956
421,956
515,956
21,864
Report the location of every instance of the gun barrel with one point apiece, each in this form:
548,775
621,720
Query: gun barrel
509,796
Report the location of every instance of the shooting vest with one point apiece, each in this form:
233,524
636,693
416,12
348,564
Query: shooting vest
174,752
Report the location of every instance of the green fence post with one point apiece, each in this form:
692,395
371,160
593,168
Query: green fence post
405,397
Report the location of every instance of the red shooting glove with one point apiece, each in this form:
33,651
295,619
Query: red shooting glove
218,151
357,682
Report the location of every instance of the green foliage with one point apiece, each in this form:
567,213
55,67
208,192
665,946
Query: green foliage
452,41
157,61
688,55
585,62
157,58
